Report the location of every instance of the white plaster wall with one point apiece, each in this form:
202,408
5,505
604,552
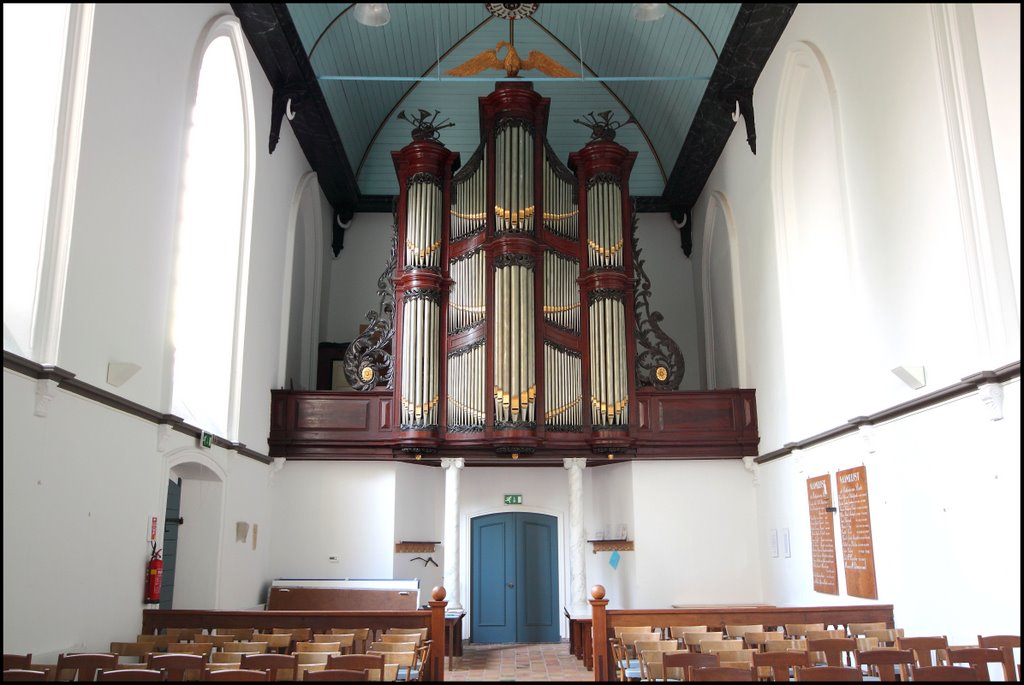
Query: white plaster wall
419,516
944,496
324,509
695,533
608,503
354,274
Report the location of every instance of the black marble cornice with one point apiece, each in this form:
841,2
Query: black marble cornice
276,43
754,35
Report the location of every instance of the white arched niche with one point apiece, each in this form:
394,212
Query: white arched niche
812,237
720,275
301,291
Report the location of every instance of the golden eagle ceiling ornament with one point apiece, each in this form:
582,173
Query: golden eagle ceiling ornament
512,62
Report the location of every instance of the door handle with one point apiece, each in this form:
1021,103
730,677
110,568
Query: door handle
511,585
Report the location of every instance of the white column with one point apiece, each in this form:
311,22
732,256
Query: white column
451,531
577,543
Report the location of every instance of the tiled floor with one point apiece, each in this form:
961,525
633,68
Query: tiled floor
508,663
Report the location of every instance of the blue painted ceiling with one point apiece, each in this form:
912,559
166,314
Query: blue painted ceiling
655,71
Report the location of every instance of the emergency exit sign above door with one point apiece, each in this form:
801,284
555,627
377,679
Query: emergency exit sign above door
513,499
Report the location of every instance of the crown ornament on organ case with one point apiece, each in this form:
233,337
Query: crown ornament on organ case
603,127
424,128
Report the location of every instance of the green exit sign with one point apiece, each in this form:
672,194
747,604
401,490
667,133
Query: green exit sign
513,499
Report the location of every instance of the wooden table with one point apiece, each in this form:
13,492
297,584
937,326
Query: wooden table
453,635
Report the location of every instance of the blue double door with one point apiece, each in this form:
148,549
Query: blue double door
514,578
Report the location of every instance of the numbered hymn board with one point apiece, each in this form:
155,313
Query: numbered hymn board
823,535
855,527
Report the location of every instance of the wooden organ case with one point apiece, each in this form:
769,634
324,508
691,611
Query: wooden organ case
514,321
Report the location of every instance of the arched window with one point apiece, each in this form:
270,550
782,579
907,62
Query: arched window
211,271
43,109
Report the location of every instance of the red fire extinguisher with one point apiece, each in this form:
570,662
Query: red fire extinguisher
154,576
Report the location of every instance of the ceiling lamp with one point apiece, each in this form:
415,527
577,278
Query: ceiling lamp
648,11
372,14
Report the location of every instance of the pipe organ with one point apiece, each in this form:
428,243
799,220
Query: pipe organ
511,287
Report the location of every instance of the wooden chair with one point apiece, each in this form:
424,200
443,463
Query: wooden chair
21,661
237,675
758,639
883,663
944,674
978,658
886,637
721,674
229,658
158,642
422,659
334,647
719,647
176,666
928,651
423,632
25,675
625,667
131,675
247,647
131,650
799,630
778,664
387,647
84,665
825,634
402,637
619,630
275,663
860,629
361,636
786,645
276,642
195,648
737,658
838,651
239,634
829,674
651,663
678,665
1005,644
181,634
372,663
736,631
335,675
676,632
693,640
215,641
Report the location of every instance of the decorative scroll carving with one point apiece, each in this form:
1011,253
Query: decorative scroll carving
598,294
603,126
368,361
508,425
424,128
603,178
660,363
563,349
418,427
468,348
563,429
468,327
429,294
423,177
504,260
471,428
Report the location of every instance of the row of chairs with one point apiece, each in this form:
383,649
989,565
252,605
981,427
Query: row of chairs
638,656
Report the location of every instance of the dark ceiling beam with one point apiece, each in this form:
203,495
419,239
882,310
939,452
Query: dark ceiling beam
753,37
276,43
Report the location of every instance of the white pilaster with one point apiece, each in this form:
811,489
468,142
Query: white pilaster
577,543
451,531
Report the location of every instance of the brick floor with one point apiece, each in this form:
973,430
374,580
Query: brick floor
545,662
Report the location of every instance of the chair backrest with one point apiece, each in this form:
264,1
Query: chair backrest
25,675
176,665
22,661
829,674
737,657
196,648
423,632
825,634
926,649
886,637
216,641
132,650
318,646
181,634
944,674
837,650
131,675
885,661
629,640
779,663
866,643
239,634
795,630
721,674
859,629
393,647
403,659
159,642
1005,644
978,657
621,657
718,646
677,631
693,640
680,664
335,675
275,641
248,647
650,664
619,630
738,630
757,639
313,657
298,634
236,675
84,665
372,663
229,658
275,663
361,637
402,637
785,645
